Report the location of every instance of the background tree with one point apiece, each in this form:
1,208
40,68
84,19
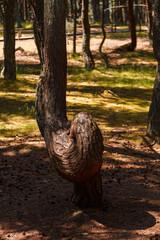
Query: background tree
95,10
72,7
9,40
150,19
132,25
75,27
87,55
1,11
154,112
38,25
75,148
18,14
79,7
104,56
106,12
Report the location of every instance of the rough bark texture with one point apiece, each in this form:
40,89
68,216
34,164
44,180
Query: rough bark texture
104,56
132,25
87,55
150,19
75,148
88,193
154,112
9,41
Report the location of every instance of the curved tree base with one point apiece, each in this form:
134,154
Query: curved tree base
89,193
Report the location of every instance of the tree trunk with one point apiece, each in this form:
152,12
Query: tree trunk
76,149
1,11
75,27
72,8
136,11
38,26
150,19
9,41
17,12
95,10
107,13
132,25
87,55
154,113
104,56
79,7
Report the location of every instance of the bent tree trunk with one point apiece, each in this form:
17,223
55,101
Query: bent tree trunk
9,41
76,148
154,113
87,55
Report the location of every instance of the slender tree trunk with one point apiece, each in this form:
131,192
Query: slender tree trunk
17,12
104,56
150,20
107,13
75,27
154,112
87,55
1,11
79,7
126,14
132,25
76,148
136,12
95,10
38,26
72,8
9,41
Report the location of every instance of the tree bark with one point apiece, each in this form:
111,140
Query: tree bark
76,148
9,41
150,19
153,128
72,8
132,25
75,27
38,26
79,7
107,13
87,55
95,10
17,12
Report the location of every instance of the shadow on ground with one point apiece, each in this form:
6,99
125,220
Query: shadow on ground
35,201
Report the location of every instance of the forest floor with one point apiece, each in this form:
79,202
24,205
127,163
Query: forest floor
35,202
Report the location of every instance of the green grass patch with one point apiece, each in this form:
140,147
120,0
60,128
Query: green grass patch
131,81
